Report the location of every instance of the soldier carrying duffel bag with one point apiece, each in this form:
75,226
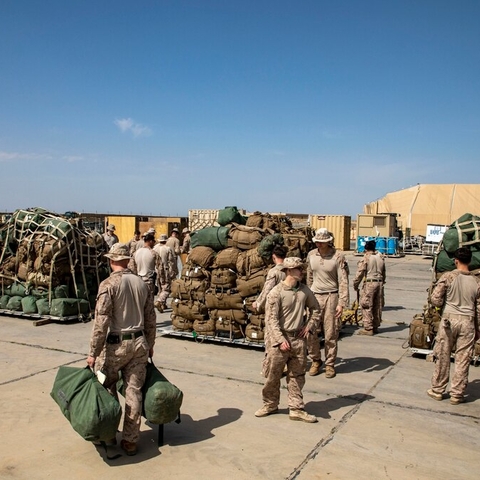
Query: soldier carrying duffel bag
124,334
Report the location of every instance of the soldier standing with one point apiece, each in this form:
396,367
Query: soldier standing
185,248
170,266
110,237
286,329
371,269
148,264
327,276
274,276
123,335
132,244
458,292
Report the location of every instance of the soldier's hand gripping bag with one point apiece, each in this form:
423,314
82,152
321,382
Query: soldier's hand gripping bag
93,413
161,399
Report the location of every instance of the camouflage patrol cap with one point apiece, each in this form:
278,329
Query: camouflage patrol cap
163,238
185,230
292,262
111,227
322,236
119,251
175,230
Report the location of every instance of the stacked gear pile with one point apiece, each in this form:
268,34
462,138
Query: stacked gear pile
226,271
49,265
464,232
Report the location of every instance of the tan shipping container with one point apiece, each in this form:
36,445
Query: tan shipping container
127,224
377,225
339,225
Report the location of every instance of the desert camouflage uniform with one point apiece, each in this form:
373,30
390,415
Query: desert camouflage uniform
122,308
371,269
284,318
170,271
149,266
459,292
328,279
186,245
274,276
174,244
110,240
132,245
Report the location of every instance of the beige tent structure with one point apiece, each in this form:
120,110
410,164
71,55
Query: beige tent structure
424,204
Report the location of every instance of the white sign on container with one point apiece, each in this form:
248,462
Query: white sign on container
435,233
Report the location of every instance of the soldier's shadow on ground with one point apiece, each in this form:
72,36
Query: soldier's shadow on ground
322,409
393,307
473,390
399,327
361,364
193,431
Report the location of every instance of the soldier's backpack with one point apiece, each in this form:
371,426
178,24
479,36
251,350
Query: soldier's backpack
254,333
93,413
202,256
420,334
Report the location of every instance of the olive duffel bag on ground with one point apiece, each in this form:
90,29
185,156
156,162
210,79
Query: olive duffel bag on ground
93,413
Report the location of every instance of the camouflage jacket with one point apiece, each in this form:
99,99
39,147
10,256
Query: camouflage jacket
329,274
285,312
122,306
372,267
458,293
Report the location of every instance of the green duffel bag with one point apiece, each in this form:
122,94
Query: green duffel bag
4,301
29,304
15,303
213,237
161,399
93,413
230,215
17,289
61,291
67,307
43,307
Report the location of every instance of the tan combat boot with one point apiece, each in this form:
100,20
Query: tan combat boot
265,411
315,368
368,333
302,416
329,372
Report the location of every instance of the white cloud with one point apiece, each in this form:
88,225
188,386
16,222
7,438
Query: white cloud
73,158
128,125
12,156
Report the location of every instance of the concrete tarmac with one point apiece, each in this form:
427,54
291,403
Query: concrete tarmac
375,419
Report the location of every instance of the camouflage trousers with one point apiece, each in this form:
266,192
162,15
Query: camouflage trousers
456,330
165,290
273,365
331,329
130,358
371,302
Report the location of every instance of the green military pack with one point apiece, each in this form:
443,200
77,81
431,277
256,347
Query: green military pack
93,413
161,399
230,215
213,237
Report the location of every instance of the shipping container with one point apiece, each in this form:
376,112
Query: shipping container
338,225
126,225
377,225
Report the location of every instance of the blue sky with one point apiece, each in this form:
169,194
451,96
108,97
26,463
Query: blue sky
157,107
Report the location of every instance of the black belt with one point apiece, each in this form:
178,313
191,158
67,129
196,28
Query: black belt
325,293
120,337
373,280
